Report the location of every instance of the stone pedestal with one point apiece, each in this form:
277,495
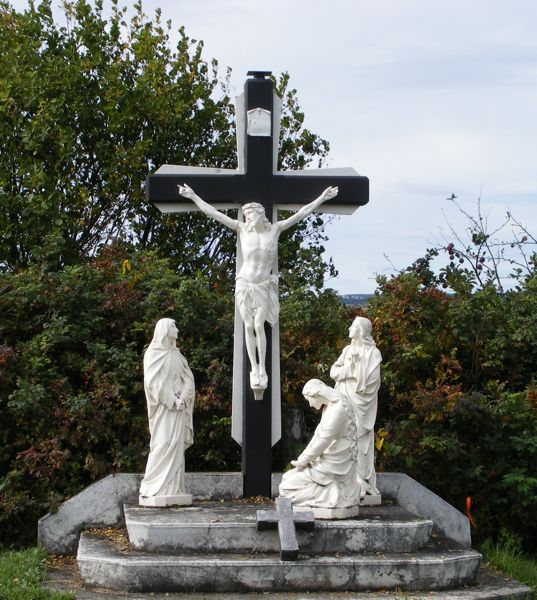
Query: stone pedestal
162,501
371,500
332,513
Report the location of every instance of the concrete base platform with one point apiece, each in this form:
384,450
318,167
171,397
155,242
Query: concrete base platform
63,576
107,562
231,528
101,505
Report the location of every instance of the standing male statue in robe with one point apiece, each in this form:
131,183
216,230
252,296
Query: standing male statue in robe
256,290
357,376
169,390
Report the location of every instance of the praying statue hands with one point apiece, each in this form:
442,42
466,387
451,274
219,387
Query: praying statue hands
179,401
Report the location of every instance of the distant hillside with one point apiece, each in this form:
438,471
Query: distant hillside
360,299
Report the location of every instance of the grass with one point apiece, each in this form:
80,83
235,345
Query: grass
21,574
512,562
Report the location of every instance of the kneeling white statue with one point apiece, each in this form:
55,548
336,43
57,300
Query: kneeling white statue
169,390
324,478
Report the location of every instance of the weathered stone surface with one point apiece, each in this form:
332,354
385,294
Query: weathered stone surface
490,585
413,496
228,527
102,564
101,505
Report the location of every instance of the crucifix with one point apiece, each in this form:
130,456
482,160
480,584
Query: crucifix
256,186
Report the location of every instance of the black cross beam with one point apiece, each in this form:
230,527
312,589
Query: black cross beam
256,180
287,521
259,180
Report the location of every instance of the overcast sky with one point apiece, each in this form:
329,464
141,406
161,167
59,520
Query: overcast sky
426,98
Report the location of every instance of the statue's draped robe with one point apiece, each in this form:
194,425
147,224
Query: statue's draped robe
167,377
330,480
357,376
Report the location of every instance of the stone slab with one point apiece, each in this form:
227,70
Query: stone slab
100,505
286,520
416,498
103,563
490,585
231,527
331,514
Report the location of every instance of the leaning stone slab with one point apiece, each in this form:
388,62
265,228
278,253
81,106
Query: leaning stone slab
99,505
413,496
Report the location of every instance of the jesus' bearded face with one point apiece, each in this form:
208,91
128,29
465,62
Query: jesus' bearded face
254,215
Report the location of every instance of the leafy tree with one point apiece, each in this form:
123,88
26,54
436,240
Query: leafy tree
87,266
88,109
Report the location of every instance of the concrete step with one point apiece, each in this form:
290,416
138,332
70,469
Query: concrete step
490,585
107,561
231,528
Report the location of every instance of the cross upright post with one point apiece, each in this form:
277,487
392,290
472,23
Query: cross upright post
256,421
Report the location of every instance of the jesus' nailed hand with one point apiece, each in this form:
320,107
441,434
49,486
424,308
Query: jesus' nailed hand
256,291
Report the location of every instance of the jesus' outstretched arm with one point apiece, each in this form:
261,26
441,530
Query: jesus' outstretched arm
330,192
210,211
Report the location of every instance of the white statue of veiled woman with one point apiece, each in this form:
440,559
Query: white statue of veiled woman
357,376
169,390
324,478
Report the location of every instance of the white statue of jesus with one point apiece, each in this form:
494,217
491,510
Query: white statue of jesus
256,290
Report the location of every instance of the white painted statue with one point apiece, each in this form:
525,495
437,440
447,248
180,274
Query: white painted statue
169,390
357,376
325,478
256,290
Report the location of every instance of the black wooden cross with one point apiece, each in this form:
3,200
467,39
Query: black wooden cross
256,424
287,521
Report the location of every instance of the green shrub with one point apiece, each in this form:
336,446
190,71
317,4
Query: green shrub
72,406
458,406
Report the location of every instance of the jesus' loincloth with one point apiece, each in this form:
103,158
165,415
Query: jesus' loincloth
252,296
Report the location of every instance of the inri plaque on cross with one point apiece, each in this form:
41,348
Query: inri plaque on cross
256,418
